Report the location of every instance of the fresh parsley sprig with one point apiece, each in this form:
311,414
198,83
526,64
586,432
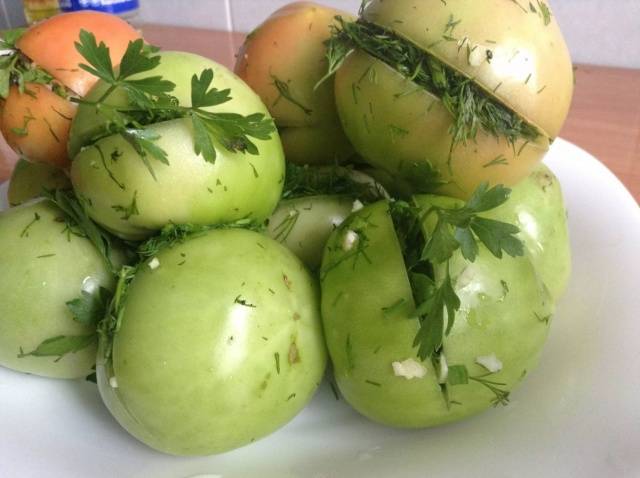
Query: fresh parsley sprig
455,228
150,102
463,228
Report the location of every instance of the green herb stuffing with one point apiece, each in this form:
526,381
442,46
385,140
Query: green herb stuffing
17,69
173,234
471,107
303,181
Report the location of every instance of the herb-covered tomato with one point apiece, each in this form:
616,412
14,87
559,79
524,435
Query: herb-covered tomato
199,146
39,73
283,60
29,180
416,343
217,342
51,293
448,95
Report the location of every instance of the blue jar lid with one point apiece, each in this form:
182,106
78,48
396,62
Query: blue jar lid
108,6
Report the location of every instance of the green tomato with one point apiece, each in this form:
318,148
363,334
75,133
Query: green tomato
220,343
28,180
405,130
42,267
536,206
304,224
367,303
317,200
123,196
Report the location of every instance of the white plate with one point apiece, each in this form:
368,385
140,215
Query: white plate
577,415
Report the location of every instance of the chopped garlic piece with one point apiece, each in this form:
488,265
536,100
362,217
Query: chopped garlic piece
443,372
409,369
350,239
90,285
336,221
113,382
357,205
154,263
490,362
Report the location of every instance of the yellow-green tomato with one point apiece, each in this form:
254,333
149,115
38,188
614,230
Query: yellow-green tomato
424,68
42,267
122,195
536,206
404,130
304,224
367,305
29,180
283,60
220,343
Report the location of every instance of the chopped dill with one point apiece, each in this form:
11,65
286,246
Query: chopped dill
471,107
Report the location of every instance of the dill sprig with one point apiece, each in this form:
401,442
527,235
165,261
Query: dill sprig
110,324
79,223
471,107
285,92
459,375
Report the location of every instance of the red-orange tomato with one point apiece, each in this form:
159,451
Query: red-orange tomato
51,45
36,123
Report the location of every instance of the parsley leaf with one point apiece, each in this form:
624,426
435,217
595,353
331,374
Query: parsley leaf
442,244
136,59
498,236
10,38
89,308
459,228
457,375
60,346
150,102
201,93
97,55
203,143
